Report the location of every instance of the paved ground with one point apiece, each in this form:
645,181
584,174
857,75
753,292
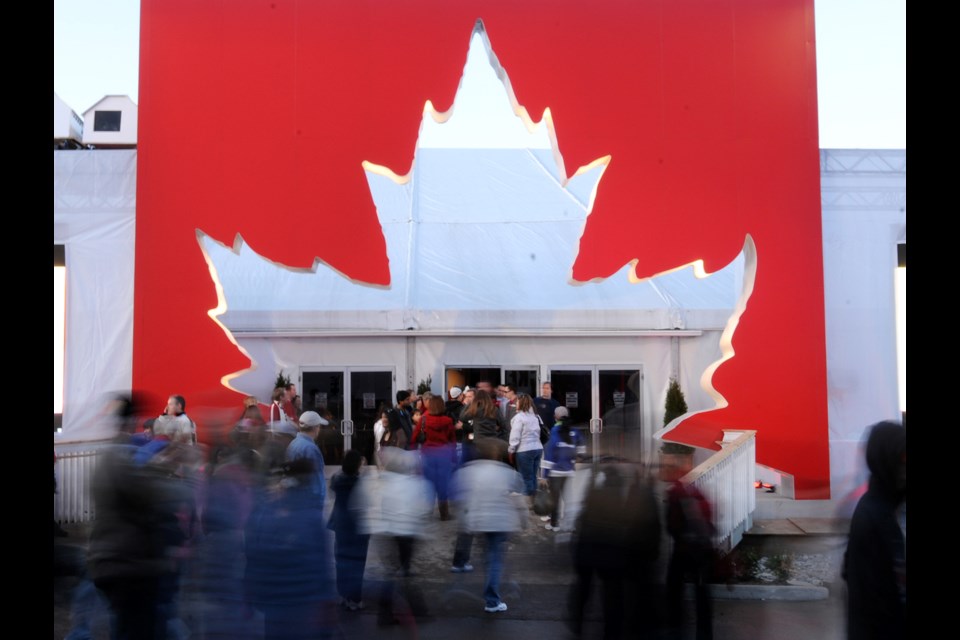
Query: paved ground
535,585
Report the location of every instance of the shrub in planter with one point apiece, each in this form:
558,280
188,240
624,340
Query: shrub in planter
674,407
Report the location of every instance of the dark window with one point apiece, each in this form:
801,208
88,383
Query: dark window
106,121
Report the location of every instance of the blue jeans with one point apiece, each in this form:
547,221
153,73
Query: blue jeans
437,469
494,557
528,464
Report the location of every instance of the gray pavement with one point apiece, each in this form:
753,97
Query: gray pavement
536,581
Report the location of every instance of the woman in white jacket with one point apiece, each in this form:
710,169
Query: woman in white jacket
525,447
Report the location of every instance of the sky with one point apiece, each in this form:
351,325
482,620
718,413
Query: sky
861,64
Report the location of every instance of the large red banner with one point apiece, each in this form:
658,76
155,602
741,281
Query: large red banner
255,117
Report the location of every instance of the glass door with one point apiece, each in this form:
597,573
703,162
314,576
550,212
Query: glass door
523,379
350,399
573,389
605,405
324,393
370,393
620,410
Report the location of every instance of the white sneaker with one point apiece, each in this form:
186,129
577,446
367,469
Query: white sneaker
544,518
466,568
550,527
496,608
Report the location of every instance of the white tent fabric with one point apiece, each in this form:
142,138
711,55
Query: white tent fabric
94,207
864,218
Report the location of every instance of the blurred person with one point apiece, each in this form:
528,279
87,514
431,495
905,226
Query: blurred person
278,410
525,447
145,434
329,438
305,446
287,573
487,494
58,531
251,410
546,405
136,537
414,401
288,404
379,430
404,506
232,491
350,543
618,541
482,419
559,461
437,451
175,412
273,451
875,562
86,604
465,449
689,520
454,405
487,387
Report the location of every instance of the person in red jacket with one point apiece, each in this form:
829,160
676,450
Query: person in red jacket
438,450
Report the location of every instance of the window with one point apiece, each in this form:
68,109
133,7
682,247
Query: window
106,120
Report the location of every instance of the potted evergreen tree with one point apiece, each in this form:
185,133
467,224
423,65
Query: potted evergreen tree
282,380
673,455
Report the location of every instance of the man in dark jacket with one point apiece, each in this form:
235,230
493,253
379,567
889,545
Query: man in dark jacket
875,564
399,420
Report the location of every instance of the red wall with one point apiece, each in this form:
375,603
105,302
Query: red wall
256,116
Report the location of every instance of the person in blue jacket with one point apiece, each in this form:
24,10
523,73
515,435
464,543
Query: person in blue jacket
559,460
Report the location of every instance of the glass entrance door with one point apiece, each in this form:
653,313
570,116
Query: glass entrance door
619,407
523,379
370,393
609,400
349,398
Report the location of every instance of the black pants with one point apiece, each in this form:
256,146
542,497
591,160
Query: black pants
134,603
682,567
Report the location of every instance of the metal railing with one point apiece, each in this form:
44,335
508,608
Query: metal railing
73,501
726,480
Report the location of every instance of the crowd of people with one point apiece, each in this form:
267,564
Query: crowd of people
247,518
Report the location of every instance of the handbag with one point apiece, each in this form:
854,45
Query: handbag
544,431
543,501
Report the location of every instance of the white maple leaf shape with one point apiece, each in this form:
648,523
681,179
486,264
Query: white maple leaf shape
481,235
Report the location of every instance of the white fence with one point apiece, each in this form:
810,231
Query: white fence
73,501
726,480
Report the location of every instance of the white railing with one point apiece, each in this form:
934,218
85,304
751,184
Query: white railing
73,501
726,480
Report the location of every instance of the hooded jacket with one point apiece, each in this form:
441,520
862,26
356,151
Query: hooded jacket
875,564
